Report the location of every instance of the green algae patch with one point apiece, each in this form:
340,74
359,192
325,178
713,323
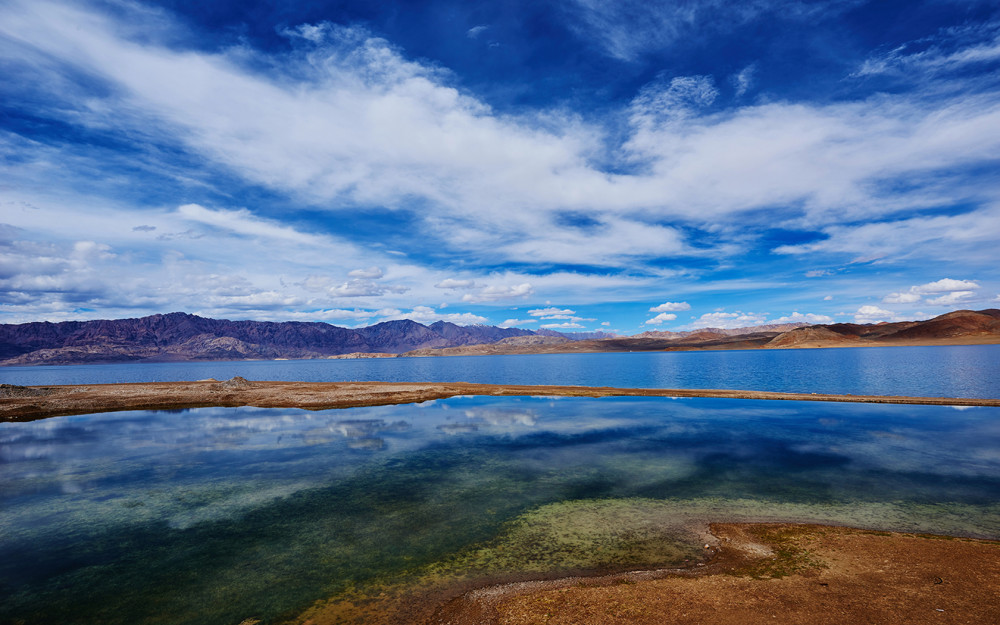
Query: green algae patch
573,536
553,540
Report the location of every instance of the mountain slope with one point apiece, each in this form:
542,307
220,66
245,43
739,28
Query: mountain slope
180,336
960,325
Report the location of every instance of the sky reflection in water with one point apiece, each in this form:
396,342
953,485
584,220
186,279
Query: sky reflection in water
188,513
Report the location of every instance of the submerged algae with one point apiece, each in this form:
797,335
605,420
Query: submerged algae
601,536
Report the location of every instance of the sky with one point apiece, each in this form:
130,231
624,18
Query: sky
576,165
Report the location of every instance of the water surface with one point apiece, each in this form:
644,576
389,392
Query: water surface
940,371
216,515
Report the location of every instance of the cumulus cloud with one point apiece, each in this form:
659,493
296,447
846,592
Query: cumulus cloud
569,325
364,288
873,314
426,315
797,317
371,273
902,298
552,313
513,323
495,293
670,307
951,299
453,283
728,321
660,318
948,290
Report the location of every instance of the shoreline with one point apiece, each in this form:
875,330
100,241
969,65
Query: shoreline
802,573
753,572
27,403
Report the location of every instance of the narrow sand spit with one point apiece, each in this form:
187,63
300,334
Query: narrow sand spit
24,403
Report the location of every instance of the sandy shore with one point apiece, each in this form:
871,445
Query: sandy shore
24,403
767,573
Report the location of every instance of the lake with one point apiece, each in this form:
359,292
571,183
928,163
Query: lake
952,371
217,515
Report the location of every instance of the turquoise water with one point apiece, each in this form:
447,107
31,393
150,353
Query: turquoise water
217,515
954,371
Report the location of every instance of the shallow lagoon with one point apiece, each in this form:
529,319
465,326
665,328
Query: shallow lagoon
217,515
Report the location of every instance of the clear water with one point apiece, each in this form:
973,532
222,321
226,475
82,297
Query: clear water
954,371
216,515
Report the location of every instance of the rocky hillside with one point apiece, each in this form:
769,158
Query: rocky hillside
960,326
180,336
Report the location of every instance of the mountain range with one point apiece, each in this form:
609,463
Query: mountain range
180,336
183,337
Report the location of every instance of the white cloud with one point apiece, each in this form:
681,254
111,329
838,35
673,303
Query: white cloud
725,321
552,313
475,31
953,292
828,298
660,318
364,288
797,317
513,323
495,293
670,307
818,273
902,298
951,299
933,237
347,120
873,314
371,273
944,285
743,81
629,29
948,50
243,222
426,315
569,325
452,283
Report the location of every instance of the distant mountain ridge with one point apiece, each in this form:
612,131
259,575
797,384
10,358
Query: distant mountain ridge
185,337
181,336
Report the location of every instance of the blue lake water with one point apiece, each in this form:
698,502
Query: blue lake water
217,515
953,371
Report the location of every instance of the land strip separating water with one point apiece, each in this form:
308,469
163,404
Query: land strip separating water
27,403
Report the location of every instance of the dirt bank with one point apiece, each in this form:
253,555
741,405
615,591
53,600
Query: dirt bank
768,573
24,403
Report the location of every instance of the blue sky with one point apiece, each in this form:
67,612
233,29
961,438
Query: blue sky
574,164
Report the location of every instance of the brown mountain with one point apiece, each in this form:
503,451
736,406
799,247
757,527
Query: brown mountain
960,326
180,336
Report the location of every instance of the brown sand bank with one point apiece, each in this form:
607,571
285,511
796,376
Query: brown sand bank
22,403
766,573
